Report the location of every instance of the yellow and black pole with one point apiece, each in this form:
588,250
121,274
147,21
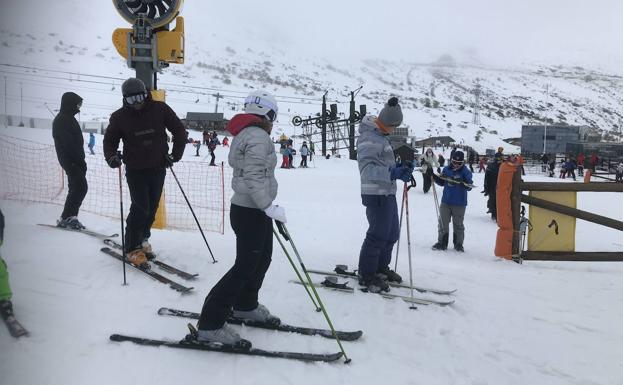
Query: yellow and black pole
149,47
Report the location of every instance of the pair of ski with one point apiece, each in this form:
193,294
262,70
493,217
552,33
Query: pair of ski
107,239
342,271
190,341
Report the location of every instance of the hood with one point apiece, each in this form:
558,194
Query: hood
367,125
69,103
426,151
242,121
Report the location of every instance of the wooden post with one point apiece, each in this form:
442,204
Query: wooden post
586,256
554,186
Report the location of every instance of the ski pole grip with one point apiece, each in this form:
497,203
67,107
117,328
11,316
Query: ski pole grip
282,230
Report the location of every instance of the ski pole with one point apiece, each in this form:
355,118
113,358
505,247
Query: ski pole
436,203
193,212
402,207
286,235
123,254
413,307
296,270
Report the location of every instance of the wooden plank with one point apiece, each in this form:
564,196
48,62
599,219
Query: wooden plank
560,186
516,209
575,256
580,214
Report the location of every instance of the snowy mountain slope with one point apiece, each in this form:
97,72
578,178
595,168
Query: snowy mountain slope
231,59
538,323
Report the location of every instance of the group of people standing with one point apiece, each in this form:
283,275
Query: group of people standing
287,153
379,172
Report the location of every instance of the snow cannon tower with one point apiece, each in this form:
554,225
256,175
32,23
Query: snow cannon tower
150,46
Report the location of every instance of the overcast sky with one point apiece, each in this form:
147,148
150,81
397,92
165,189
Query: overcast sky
503,30
495,31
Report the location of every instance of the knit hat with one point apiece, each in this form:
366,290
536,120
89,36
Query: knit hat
500,149
458,156
391,114
133,86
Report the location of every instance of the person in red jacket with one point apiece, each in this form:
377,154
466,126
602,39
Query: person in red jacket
142,125
581,159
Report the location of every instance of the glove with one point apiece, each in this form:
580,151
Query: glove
396,172
169,160
406,174
277,213
114,161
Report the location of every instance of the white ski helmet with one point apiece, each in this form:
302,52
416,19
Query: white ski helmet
261,103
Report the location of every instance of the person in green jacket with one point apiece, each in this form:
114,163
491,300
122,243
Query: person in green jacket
6,308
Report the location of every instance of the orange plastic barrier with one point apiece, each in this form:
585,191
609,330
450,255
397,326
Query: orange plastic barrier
504,239
587,176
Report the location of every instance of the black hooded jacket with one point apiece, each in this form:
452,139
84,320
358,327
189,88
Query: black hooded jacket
67,134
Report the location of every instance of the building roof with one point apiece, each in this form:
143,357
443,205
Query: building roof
205,116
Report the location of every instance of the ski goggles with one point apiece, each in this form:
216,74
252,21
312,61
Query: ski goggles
135,99
458,162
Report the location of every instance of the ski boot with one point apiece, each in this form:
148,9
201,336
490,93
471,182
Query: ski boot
6,309
148,250
374,284
259,314
442,244
137,257
224,335
70,223
390,275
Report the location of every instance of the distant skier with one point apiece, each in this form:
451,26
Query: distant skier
581,159
225,142
212,143
253,159
91,143
619,173
197,145
312,150
142,124
379,172
69,145
545,162
570,167
454,178
441,160
285,157
304,150
429,163
482,163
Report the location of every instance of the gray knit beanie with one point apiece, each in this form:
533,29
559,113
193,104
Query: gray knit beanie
391,114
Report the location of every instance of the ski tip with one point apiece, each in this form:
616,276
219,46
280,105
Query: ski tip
163,311
116,337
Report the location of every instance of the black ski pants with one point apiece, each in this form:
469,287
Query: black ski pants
428,178
303,161
145,190
77,186
239,287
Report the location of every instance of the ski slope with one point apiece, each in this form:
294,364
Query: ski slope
548,323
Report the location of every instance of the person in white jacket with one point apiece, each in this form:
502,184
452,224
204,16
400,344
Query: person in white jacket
429,162
253,159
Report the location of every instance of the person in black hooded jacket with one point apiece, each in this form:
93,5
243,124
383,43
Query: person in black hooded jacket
69,145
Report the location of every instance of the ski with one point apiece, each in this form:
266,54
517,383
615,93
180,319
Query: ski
164,266
409,299
328,284
83,231
342,335
15,328
406,298
340,271
453,181
145,269
191,343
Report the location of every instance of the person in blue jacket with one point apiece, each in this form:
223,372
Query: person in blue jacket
91,143
378,172
456,179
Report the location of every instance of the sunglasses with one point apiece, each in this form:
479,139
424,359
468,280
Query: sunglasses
135,99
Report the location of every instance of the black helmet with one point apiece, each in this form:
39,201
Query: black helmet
133,86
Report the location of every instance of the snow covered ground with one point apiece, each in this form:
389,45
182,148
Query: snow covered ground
536,323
